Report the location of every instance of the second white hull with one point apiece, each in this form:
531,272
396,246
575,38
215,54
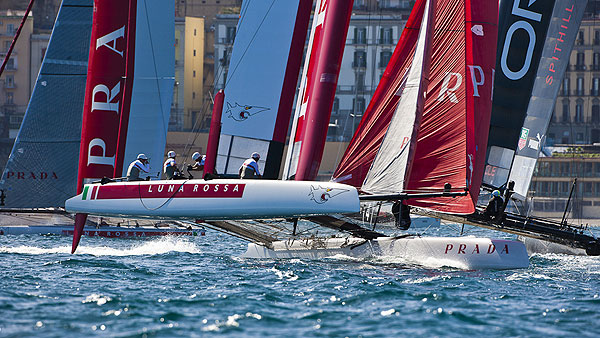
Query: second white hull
459,252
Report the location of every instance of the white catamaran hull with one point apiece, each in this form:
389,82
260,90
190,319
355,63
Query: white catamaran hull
215,199
458,252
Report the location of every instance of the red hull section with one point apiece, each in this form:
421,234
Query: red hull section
214,134
104,90
181,190
325,61
369,135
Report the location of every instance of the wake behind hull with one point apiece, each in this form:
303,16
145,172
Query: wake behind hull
467,253
215,199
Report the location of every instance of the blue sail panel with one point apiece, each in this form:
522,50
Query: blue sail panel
42,168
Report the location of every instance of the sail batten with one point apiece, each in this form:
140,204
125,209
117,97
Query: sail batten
393,162
451,136
363,147
451,145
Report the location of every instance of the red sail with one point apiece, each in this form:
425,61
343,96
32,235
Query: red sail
453,135
363,147
104,90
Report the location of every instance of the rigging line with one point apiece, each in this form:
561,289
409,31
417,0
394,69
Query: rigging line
164,127
221,67
14,41
251,40
165,202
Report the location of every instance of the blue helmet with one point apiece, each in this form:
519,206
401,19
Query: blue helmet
496,193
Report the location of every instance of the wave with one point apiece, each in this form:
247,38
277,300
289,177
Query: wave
153,247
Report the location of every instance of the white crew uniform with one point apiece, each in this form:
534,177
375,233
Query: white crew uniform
135,169
249,169
170,167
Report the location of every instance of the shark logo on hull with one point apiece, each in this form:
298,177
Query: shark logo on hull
321,195
243,112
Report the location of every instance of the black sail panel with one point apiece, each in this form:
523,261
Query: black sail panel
535,39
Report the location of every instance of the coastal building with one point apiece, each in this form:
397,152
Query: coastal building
370,42
15,83
208,10
188,90
553,181
576,118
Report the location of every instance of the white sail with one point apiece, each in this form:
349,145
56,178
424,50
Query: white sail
393,161
261,82
152,83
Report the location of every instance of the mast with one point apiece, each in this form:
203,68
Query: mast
317,91
103,97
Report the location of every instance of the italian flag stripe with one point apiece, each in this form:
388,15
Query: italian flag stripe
85,191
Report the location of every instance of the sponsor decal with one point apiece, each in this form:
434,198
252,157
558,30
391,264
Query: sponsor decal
524,17
464,249
470,179
561,48
523,138
477,30
22,175
535,143
321,194
240,113
451,83
171,190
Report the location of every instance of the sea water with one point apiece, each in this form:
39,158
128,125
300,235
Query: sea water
199,287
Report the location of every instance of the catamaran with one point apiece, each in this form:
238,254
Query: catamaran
422,141
302,197
41,172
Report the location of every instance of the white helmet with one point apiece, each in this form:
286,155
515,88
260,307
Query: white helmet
142,157
171,154
195,156
256,156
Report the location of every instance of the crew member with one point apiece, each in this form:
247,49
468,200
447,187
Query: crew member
249,168
170,166
494,208
198,162
140,165
401,214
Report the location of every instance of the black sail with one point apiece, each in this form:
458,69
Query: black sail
535,39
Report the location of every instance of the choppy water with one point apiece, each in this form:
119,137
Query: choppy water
179,287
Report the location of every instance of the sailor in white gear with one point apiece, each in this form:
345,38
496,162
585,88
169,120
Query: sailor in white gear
170,166
140,165
249,168
198,162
